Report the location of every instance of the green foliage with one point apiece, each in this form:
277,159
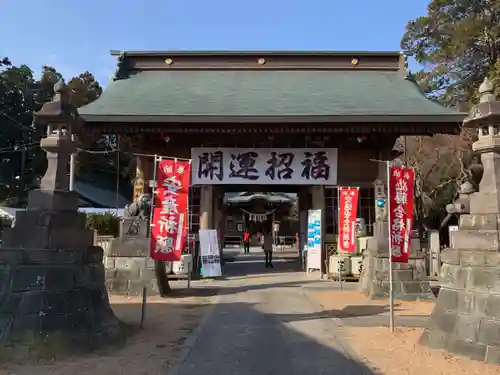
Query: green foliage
458,43
106,224
17,131
21,94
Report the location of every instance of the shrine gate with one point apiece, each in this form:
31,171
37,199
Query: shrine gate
301,122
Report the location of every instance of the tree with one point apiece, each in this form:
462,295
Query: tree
19,136
100,167
458,43
21,95
440,162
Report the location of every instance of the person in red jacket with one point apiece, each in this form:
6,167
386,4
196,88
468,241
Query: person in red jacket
246,241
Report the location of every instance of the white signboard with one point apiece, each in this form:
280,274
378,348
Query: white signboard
209,252
264,166
314,240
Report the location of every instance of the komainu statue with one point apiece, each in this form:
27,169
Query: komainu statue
140,206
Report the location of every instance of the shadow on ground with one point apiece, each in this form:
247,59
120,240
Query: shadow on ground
206,291
240,339
236,338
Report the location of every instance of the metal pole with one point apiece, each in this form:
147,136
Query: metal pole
72,166
273,232
338,236
388,205
22,176
190,250
150,224
391,286
117,174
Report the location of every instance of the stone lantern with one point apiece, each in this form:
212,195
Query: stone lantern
409,279
52,289
466,317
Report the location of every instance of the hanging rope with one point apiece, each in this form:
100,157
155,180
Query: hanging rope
258,218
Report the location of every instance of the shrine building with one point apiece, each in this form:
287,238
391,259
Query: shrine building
256,121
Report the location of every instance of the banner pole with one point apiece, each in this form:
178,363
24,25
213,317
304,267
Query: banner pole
190,218
149,234
391,287
338,236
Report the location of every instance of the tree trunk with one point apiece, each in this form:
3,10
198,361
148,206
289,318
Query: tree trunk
162,278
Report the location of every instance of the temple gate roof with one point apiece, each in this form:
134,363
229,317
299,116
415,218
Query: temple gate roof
327,87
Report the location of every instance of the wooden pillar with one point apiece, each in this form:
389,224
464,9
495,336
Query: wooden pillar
207,207
219,216
143,174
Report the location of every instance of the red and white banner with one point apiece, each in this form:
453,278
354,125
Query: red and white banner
400,206
348,209
170,211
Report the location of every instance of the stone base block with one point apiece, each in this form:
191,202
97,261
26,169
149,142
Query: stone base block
403,290
466,317
53,302
485,202
477,221
409,279
39,229
128,247
58,200
128,276
476,239
134,227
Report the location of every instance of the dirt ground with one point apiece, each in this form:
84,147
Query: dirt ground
399,352
148,352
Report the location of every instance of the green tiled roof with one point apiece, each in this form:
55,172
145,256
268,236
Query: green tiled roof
266,93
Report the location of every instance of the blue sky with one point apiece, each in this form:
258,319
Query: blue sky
76,35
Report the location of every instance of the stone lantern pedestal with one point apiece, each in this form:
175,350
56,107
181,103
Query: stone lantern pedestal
466,318
53,299
409,279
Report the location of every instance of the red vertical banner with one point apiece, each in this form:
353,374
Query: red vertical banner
348,209
170,211
401,189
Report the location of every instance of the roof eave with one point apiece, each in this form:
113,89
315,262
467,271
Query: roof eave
175,53
444,118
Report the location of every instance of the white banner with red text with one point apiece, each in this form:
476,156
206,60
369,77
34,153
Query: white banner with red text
264,166
400,206
170,210
348,209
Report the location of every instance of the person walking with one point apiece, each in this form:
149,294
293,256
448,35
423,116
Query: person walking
267,246
247,236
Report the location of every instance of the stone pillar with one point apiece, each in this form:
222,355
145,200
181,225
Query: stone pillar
409,279
466,317
52,287
207,207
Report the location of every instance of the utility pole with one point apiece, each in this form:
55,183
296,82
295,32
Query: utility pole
21,175
72,167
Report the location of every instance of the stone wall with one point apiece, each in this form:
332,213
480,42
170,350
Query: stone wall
466,318
126,274
407,277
